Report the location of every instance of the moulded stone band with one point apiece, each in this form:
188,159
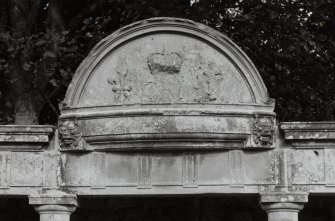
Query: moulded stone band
55,208
289,207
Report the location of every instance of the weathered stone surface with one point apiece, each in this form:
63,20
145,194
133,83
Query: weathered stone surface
284,197
53,197
172,61
21,137
185,112
184,86
282,211
309,134
70,135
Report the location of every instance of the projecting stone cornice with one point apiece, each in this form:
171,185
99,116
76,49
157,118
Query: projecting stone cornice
25,137
309,134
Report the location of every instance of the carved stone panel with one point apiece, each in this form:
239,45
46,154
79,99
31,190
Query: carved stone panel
166,68
308,167
26,169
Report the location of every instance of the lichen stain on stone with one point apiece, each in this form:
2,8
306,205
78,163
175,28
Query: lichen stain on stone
231,124
272,170
310,175
164,125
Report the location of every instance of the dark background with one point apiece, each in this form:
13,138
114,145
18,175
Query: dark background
199,208
291,43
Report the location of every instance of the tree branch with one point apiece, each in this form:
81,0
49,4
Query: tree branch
75,21
34,11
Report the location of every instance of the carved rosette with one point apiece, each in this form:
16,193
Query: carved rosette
70,137
263,131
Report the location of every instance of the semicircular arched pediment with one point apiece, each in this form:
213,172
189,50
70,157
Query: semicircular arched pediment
167,61
166,83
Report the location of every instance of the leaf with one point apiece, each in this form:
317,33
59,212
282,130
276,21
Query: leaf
64,73
39,42
54,82
26,66
49,54
273,14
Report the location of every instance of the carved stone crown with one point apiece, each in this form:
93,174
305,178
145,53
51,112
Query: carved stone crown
169,63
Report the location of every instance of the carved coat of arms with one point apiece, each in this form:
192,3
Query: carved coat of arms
164,68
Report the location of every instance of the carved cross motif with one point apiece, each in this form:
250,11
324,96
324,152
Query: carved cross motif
118,81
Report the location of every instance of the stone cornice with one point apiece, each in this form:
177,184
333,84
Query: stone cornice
309,134
24,137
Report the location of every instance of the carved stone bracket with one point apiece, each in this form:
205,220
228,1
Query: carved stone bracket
263,131
70,137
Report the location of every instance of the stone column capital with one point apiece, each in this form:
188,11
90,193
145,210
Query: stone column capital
283,206
284,197
60,209
288,207
54,206
54,198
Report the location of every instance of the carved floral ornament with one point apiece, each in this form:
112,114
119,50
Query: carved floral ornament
263,130
70,137
119,81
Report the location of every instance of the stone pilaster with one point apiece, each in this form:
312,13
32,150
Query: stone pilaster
283,206
54,207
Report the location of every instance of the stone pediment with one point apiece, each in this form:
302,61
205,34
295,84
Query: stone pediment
166,61
168,79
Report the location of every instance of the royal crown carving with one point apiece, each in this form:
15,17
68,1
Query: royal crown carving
169,63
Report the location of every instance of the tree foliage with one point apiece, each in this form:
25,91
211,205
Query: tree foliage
42,42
